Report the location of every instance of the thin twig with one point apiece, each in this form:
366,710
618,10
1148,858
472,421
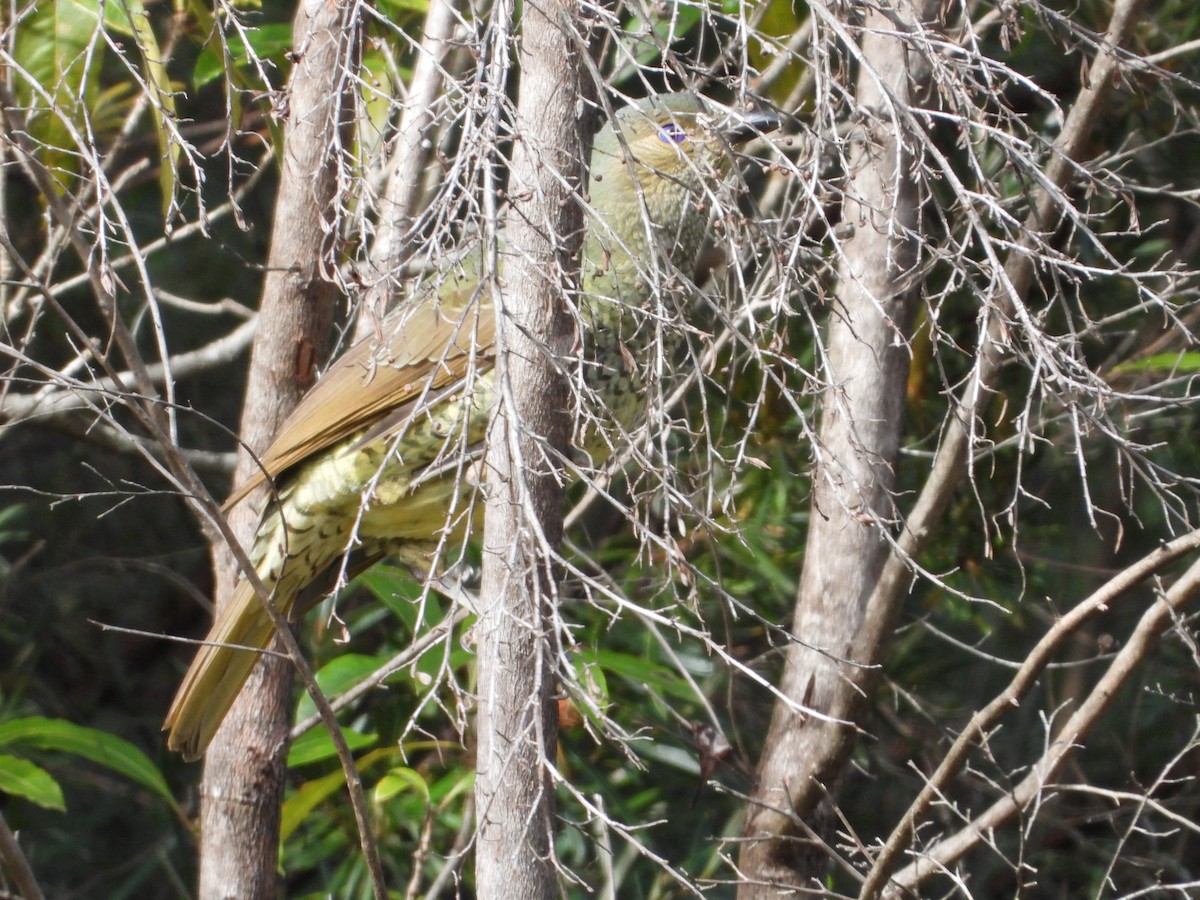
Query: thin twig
1153,622
14,860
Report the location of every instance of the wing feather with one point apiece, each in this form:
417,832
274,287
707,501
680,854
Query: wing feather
433,348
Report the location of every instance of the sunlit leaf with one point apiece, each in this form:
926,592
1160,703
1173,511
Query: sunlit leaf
316,745
21,778
405,6
269,41
398,780
1182,362
341,673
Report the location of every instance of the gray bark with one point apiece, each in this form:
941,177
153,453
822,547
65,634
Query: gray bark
242,790
805,756
517,724
826,672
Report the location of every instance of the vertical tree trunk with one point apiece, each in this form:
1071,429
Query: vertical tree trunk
859,436
243,781
523,528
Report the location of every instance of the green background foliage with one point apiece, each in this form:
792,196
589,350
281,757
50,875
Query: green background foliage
89,538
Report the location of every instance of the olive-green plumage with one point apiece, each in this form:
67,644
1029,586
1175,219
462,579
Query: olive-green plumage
373,455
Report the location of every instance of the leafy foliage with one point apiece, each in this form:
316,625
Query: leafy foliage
684,566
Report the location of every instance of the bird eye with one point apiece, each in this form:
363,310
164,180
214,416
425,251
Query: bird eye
672,134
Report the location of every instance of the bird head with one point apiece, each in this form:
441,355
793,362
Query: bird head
658,164
674,136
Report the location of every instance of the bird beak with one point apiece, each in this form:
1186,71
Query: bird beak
751,125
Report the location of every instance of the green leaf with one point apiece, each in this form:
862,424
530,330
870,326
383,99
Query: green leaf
397,590
1179,362
131,16
213,63
637,669
316,745
21,778
270,41
311,793
306,798
404,6
58,46
399,780
670,754
117,15
453,785
339,675
642,671
98,746
10,516
649,38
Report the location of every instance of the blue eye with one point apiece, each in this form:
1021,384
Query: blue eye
672,134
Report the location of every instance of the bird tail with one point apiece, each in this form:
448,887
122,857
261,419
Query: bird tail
218,672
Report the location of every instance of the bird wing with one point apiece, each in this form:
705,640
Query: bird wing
435,347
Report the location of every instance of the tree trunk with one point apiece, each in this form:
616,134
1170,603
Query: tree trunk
868,356
242,790
517,724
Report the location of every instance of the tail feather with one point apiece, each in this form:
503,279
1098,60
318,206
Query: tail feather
218,672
